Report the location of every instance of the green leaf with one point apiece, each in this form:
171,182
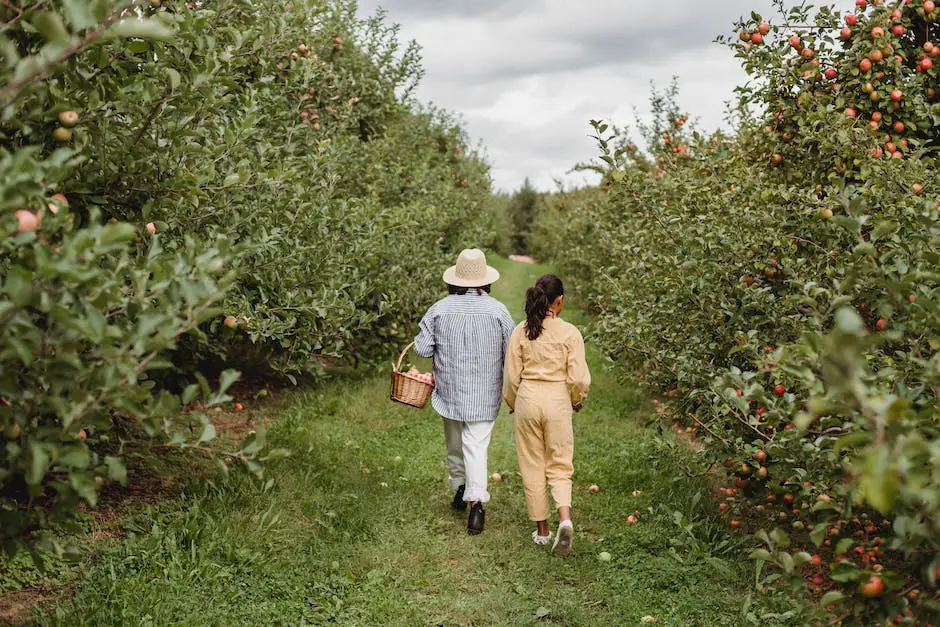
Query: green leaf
140,27
74,456
831,597
844,545
189,394
760,554
116,469
208,431
78,13
118,233
50,26
38,463
848,321
846,571
780,538
879,483
174,77
226,379
801,558
818,534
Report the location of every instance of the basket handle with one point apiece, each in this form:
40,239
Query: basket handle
402,357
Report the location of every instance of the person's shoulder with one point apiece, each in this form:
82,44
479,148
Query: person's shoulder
569,329
498,305
436,307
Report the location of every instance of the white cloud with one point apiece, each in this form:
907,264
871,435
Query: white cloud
526,76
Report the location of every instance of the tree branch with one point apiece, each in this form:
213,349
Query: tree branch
12,89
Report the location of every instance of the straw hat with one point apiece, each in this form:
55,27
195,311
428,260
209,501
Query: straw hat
471,270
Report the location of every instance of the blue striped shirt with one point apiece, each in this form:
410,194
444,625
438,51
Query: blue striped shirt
467,337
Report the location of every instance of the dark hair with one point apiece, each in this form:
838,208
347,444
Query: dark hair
461,291
538,299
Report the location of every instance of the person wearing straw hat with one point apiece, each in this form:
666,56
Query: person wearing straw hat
466,334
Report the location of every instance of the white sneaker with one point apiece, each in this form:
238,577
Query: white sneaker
541,540
563,539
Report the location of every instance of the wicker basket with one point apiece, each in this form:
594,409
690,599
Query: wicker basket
406,389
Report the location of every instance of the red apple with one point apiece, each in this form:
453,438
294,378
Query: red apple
779,390
757,38
795,42
873,588
877,32
851,19
845,33
850,112
896,95
865,65
26,221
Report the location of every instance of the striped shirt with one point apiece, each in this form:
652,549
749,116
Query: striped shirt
467,337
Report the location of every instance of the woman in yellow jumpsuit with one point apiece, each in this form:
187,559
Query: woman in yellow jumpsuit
546,379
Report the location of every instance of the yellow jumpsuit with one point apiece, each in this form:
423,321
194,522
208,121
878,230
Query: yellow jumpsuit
543,380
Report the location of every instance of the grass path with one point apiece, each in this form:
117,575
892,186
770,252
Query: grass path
357,529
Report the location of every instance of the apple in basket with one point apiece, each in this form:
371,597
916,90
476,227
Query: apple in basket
425,377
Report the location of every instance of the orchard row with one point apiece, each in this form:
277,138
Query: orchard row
780,287
189,190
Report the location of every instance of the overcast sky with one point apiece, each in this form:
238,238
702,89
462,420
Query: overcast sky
526,76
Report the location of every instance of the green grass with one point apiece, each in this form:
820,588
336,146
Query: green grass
357,530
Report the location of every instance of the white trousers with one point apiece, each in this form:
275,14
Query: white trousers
467,444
